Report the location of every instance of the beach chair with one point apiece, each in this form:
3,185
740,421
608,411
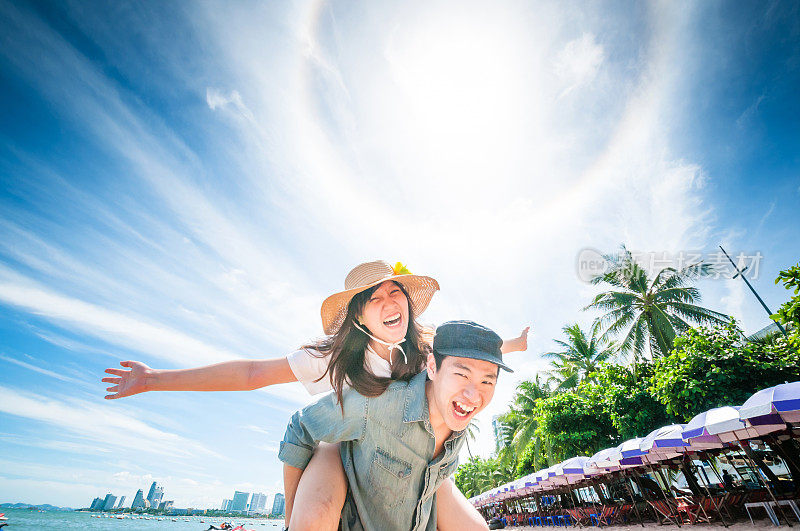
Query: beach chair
691,511
577,516
665,512
606,515
621,515
734,505
715,505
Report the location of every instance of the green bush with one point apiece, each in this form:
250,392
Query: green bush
624,394
573,424
716,367
789,312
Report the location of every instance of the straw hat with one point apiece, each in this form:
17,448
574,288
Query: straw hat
364,276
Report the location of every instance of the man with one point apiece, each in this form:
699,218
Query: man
398,447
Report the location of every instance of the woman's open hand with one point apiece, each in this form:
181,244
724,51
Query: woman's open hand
518,344
522,340
127,383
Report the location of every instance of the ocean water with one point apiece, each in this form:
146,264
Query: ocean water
22,519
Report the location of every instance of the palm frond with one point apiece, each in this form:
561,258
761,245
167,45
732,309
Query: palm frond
687,294
698,314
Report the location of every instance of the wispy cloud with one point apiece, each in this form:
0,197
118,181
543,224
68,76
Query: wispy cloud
41,370
578,62
99,424
215,98
115,327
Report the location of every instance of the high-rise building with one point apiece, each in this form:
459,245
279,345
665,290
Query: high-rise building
97,504
497,431
109,502
278,504
138,500
155,494
239,502
121,502
152,490
226,505
166,505
258,503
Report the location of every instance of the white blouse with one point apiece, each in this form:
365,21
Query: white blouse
308,366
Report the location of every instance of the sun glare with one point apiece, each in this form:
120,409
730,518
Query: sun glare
461,84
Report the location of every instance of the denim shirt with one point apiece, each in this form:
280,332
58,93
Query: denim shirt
387,446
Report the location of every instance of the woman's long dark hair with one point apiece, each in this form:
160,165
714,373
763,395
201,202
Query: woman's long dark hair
348,345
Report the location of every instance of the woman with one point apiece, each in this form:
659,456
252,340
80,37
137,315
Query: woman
372,339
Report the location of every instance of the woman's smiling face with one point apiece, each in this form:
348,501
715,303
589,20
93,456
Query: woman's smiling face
385,313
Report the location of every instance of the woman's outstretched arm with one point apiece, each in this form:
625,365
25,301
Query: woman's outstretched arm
235,375
518,344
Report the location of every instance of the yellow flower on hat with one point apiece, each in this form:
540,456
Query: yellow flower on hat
400,269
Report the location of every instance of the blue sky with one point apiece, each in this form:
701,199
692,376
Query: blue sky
184,183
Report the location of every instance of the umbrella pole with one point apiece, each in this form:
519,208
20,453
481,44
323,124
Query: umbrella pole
722,481
666,482
652,470
576,497
633,500
791,464
746,450
710,497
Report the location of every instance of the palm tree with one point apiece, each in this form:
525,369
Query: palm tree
580,356
650,312
518,425
472,430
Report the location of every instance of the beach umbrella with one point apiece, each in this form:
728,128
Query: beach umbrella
664,443
543,478
706,427
781,401
722,425
570,470
668,442
526,483
602,462
630,449
625,455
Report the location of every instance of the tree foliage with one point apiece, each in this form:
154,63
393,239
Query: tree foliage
579,357
625,396
789,312
518,425
715,367
479,475
573,425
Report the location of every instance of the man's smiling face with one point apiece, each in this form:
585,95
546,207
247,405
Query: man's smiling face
460,388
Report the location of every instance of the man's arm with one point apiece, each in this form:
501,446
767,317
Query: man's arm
454,512
324,420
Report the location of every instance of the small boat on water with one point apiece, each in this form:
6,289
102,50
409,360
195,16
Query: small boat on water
3,517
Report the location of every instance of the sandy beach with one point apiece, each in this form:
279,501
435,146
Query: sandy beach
741,525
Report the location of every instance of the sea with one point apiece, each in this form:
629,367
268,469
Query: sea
30,520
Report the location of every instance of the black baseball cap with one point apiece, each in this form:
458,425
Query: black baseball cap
468,339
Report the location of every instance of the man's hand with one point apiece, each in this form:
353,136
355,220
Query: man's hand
127,383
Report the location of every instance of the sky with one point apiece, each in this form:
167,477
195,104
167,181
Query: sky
184,183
